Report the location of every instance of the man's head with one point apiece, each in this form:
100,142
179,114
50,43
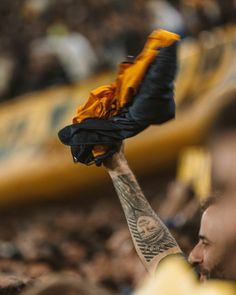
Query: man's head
215,254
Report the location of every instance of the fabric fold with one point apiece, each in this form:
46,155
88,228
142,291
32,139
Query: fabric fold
143,94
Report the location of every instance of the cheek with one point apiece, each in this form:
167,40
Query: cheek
213,255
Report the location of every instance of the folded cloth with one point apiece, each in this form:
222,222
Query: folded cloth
142,94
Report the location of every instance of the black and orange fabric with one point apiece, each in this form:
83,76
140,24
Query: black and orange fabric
142,94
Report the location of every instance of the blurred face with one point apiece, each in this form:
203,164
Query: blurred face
223,151
215,254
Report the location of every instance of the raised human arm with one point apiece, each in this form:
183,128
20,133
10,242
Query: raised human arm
151,237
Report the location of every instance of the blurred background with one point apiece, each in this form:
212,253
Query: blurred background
56,216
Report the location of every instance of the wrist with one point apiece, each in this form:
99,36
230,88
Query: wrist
116,164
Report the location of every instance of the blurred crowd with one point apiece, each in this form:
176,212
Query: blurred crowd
84,246
77,239
49,42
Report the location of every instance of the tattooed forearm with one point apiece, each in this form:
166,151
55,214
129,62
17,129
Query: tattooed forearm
150,235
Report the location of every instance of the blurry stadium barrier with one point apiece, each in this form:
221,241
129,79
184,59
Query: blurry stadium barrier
205,62
189,54
33,164
216,56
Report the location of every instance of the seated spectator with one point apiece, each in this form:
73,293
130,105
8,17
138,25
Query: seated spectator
73,50
166,16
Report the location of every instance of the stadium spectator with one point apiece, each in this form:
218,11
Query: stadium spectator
72,49
165,15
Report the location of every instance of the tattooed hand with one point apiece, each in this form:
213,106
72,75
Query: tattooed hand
151,238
